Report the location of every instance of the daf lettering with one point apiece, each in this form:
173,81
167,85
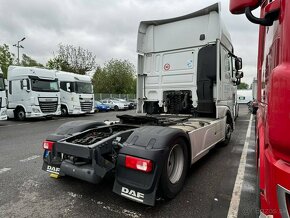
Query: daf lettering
54,169
132,193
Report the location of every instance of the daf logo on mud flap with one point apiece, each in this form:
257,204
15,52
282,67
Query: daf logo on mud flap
132,194
53,169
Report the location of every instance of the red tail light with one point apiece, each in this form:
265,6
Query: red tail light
47,145
138,164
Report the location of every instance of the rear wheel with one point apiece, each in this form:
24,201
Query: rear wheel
174,170
20,114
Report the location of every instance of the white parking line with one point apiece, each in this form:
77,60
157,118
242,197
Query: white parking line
235,201
30,158
4,170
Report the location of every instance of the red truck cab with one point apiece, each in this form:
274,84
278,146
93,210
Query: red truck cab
273,115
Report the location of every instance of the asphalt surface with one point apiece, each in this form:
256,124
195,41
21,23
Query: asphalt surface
27,191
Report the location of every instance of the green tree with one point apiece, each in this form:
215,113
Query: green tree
100,81
6,58
243,86
73,59
29,62
117,76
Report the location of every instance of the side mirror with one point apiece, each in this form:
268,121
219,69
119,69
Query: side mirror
238,63
24,83
5,82
239,6
272,10
68,87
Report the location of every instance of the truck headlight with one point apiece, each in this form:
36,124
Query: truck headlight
35,110
3,113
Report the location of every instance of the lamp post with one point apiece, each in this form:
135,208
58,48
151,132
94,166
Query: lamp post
19,46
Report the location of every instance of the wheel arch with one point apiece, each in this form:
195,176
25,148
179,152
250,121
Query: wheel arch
230,119
151,143
20,106
64,105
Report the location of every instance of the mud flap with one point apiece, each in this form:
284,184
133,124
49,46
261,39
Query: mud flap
135,195
151,143
52,168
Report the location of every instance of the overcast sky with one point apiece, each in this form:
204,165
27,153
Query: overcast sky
108,28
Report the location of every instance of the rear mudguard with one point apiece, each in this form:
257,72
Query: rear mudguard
152,143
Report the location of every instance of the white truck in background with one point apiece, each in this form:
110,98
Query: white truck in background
187,96
255,89
76,93
32,92
3,98
245,96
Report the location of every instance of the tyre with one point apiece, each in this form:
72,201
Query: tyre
64,111
228,134
116,108
174,170
20,114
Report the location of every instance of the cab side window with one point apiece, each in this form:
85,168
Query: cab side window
63,86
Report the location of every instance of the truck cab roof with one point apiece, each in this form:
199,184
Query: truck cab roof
72,77
19,72
161,35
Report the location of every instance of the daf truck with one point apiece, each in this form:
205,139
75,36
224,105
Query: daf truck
76,93
32,92
187,73
272,119
3,98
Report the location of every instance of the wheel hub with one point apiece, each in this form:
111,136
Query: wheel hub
175,163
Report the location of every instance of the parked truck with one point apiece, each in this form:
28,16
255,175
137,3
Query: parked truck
76,93
3,98
187,73
32,92
272,120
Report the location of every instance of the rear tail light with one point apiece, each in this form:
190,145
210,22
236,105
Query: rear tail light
138,164
47,145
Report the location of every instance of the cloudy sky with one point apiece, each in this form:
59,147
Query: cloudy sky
108,28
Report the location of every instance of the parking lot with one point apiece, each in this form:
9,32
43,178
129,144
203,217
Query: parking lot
27,191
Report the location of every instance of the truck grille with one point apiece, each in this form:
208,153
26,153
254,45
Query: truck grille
49,105
86,106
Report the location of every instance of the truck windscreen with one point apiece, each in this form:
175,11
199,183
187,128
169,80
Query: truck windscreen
83,88
2,84
44,85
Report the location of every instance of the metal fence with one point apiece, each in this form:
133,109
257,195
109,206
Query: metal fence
100,96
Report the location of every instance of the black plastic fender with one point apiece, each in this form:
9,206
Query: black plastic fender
150,142
72,127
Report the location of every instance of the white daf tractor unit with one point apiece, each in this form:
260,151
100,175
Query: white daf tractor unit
187,73
32,92
76,93
3,98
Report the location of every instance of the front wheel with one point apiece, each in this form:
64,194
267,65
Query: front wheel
174,170
20,114
228,135
64,111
